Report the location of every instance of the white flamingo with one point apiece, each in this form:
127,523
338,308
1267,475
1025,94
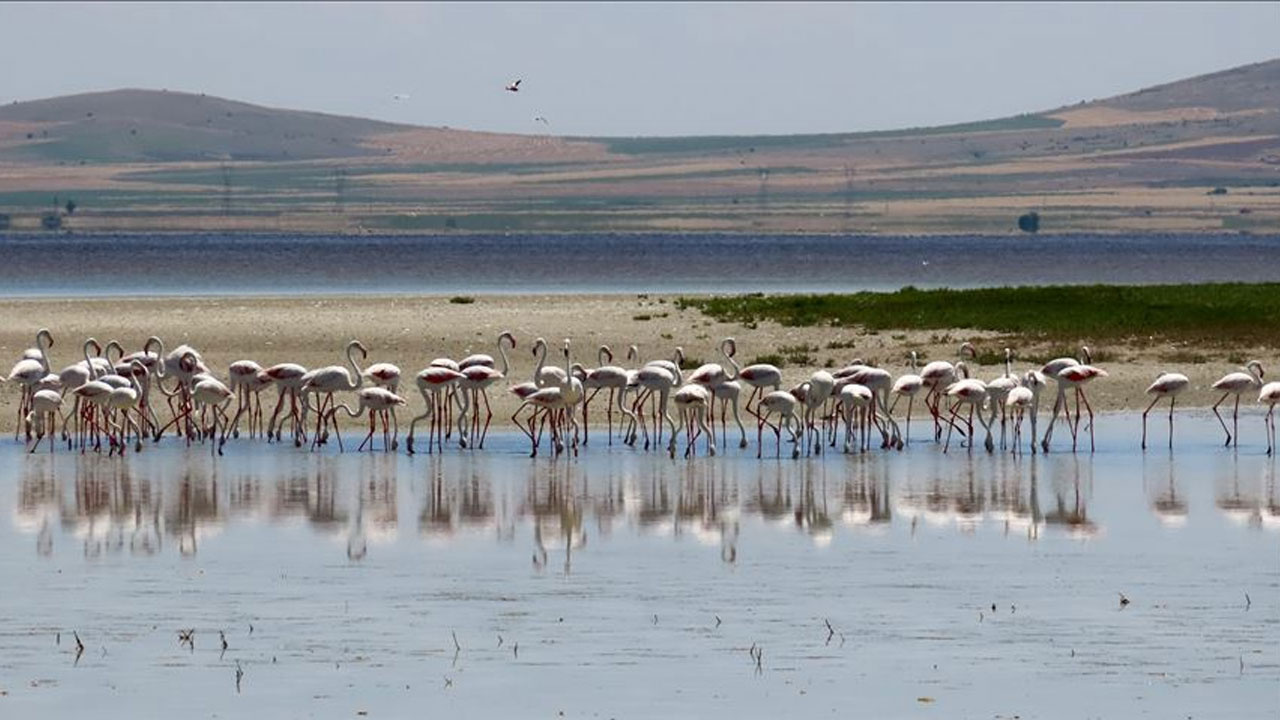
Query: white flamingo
1168,385
1237,383
1270,394
907,386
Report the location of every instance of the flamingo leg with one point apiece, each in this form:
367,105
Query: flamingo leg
1144,421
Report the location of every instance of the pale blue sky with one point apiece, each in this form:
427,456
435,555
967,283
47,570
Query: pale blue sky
634,69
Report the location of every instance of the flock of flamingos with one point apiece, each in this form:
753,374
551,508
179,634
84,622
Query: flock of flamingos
98,396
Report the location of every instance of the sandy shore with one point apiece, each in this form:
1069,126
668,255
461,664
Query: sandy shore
411,331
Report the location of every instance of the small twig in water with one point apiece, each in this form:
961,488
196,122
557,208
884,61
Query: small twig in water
515,650
831,632
223,635
718,621
1247,601
448,682
655,618
1124,601
499,640
58,639
239,676
456,646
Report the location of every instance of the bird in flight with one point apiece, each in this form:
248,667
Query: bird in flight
514,87
400,96
541,120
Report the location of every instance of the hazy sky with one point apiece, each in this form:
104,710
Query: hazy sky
634,69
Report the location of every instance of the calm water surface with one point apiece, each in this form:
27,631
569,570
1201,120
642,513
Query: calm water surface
623,584
94,265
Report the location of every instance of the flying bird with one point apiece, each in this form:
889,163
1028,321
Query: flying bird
514,87
541,120
400,96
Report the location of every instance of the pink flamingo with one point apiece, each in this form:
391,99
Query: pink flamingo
379,402
938,376
856,402
288,379
435,384
1075,377
759,376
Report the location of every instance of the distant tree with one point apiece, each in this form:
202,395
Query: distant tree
51,221
71,207
1217,191
1029,222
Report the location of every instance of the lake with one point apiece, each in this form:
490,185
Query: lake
211,264
625,584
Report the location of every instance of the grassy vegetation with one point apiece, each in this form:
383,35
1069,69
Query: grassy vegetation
1216,314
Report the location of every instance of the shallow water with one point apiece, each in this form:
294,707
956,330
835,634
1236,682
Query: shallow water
210,264
635,585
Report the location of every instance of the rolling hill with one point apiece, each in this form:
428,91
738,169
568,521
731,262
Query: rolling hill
160,160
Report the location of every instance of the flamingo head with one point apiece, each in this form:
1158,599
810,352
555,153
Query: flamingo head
508,337
967,348
48,337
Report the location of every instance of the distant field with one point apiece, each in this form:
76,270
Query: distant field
1198,155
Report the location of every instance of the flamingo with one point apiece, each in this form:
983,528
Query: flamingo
821,385
487,360
45,405
432,381
28,372
879,382
784,404
1237,383
1168,385
971,392
714,378
288,379
124,400
241,374
855,405
211,394
613,378
650,379
1075,377
1023,398
998,391
474,383
758,375
378,402
937,376
1050,370
552,403
327,381
907,386
691,402
1270,394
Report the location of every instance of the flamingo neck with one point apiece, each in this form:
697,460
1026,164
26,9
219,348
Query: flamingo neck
502,353
359,376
